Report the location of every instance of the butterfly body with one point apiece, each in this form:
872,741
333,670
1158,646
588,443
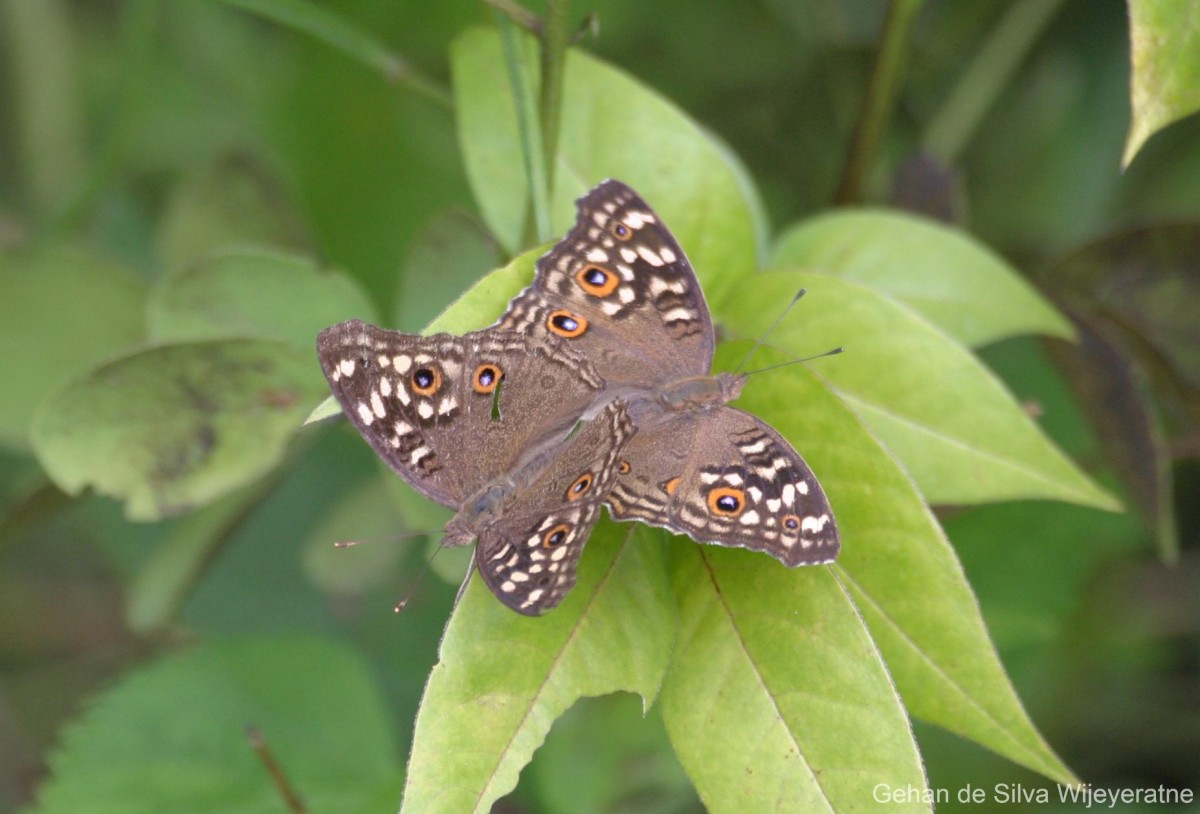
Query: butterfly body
594,388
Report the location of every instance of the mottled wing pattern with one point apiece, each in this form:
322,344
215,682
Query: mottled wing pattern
723,476
619,288
451,413
529,561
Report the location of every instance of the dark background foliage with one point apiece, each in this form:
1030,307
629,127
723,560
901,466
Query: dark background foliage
142,134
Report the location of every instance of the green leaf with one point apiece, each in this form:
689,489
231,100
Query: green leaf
901,573
62,312
962,437
1165,42
252,293
173,427
329,28
502,679
956,283
776,699
172,737
612,127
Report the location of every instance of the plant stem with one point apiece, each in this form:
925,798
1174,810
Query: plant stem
518,14
532,150
554,57
334,31
881,98
986,76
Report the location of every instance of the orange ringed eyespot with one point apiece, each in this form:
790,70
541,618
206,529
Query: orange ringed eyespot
790,522
580,487
620,230
426,380
556,536
486,378
670,486
726,502
597,280
623,468
565,324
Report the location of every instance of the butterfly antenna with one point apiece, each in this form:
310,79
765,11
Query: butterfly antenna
416,581
831,352
762,339
393,538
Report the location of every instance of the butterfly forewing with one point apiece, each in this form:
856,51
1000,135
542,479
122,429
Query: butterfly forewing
452,413
530,559
619,288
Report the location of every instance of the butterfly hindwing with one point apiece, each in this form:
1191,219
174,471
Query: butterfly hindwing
530,556
723,476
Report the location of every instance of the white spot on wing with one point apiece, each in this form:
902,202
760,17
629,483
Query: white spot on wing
814,523
364,412
680,313
649,256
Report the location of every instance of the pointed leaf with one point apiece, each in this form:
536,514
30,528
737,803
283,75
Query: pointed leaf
250,293
956,283
173,427
172,737
903,575
958,432
502,679
1165,39
776,699
611,127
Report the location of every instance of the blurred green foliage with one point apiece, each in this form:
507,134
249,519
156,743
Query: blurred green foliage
146,145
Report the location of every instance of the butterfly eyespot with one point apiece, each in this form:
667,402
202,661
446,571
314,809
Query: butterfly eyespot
426,380
556,536
620,230
565,324
623,468
486,378
580,487
791,522
597,280
670,486
726,502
